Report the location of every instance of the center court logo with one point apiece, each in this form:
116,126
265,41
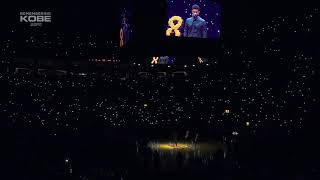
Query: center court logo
35,18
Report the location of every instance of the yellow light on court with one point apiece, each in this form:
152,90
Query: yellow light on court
174,146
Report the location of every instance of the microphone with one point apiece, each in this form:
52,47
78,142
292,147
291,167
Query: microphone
195,15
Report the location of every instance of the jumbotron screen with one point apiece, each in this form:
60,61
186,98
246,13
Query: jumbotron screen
125,24
194,18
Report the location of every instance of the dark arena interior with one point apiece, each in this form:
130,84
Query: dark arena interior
159,89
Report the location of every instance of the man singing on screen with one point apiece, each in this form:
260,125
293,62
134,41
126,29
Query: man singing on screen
195,26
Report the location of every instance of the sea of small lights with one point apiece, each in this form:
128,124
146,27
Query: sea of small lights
216,99
248,96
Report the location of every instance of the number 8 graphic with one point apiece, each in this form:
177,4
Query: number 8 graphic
121,38
174,27
155,60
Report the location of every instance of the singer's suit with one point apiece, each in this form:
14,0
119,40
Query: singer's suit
195,28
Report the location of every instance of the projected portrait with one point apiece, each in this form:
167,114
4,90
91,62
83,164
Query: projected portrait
193,18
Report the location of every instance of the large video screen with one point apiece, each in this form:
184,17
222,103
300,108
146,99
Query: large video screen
178,60
194,18
125,25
